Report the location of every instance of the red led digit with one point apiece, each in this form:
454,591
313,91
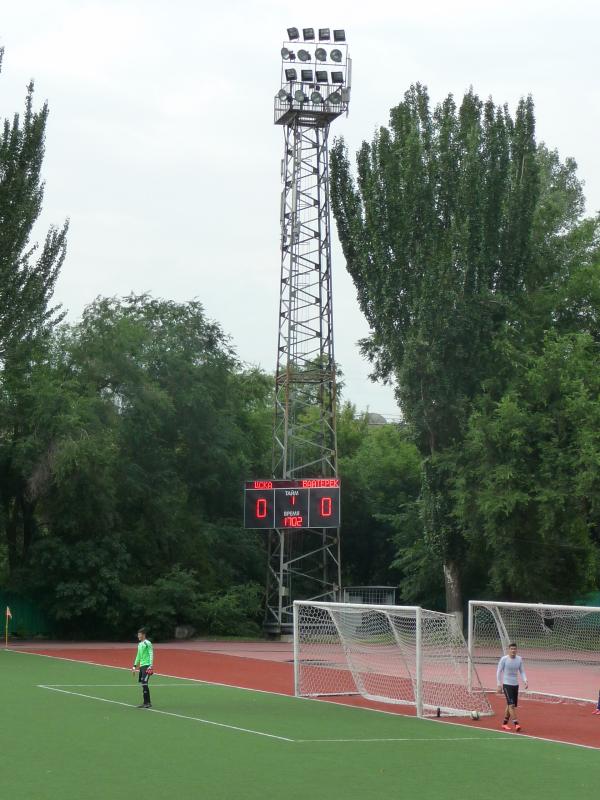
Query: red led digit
326,506
261,508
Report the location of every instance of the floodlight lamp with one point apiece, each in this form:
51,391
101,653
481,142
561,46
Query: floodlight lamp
299,96
336,55
308,34
316,98
306,75
291,75
337,77
321,75
321,54
339,36
335,98
304,55
293,33
283,95
287,54
324,34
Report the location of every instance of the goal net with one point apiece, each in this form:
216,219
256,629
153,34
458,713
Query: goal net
390,654
560,646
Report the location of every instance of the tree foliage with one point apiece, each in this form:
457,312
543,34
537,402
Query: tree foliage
27,279
146,478
125,437
457,231
381,479
528,487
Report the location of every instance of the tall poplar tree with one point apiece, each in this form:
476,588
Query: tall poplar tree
444,237
28,275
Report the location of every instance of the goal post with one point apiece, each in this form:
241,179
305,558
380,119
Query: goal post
560,646
405,655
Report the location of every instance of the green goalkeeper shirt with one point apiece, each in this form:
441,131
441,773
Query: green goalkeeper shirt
144,654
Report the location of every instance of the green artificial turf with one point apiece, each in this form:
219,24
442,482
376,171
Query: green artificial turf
59,746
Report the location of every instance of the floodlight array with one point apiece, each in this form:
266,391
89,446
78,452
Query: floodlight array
320,54
308,34
314,84
317,57
316,97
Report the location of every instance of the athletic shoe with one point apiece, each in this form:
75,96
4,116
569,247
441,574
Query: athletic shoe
141,705
517,728
147,705
506,727
596,711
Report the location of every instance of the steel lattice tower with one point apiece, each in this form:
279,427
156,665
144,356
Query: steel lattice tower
315,90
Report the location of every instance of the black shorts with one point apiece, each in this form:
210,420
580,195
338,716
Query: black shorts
143,677
511,693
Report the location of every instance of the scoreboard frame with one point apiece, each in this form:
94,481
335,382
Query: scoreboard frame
292,504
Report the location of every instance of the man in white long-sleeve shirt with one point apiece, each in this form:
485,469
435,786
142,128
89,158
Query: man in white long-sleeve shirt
507,678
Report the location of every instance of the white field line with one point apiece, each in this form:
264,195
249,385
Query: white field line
56,688
518,735
131,685
169,713
538,697
309,699
408,739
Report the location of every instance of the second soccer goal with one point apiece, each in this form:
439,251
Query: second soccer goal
559,644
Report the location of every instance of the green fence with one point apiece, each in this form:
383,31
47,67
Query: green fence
591,599
27,619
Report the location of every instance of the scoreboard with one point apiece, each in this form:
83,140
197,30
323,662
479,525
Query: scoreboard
293,504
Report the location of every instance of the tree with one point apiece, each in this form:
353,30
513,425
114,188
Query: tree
455,221
381,478
26,284
528,487
26,318
142,496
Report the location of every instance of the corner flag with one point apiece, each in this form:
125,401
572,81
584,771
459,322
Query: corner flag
8,616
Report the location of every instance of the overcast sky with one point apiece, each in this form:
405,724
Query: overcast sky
161,146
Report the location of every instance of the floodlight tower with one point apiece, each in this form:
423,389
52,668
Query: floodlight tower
315,90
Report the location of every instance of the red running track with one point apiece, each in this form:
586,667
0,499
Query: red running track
562,722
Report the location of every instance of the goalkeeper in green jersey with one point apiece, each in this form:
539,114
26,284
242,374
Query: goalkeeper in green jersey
143,660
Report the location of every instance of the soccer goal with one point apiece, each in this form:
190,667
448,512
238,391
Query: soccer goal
390,654
560,646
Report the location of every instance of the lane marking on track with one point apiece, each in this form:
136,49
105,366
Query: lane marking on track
168,713
168,675
310,699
